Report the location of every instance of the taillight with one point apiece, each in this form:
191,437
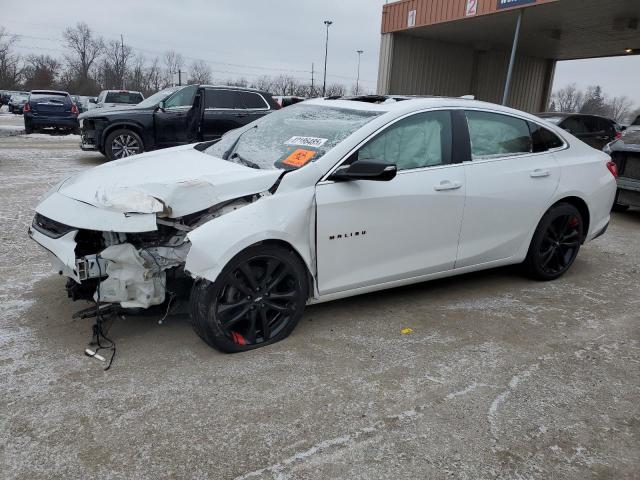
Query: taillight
27,107
618,135
613,168
74,108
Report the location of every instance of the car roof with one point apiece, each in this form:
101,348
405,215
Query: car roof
45,92
121,91
571,114
401,104
233,87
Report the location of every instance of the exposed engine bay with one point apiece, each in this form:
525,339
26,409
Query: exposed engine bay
134,270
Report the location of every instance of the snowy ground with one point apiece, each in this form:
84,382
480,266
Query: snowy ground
502,378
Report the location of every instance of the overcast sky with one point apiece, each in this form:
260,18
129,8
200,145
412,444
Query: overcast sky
256,37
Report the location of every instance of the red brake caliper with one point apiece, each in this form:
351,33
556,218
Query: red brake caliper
574,222
237,338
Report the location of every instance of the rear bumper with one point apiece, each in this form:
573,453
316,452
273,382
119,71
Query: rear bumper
46,121
628,192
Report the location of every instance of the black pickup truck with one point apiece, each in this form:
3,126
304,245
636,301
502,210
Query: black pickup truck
625,152
173,116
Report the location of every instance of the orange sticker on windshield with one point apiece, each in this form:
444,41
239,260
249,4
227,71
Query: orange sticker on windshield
299,158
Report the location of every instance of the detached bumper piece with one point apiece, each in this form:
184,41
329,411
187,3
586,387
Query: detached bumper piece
88,140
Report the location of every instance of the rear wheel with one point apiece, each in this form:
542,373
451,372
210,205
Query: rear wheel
257,300
555,243
123,143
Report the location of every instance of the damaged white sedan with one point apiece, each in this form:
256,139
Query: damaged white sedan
323,200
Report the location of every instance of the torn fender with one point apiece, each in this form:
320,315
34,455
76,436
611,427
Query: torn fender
288,217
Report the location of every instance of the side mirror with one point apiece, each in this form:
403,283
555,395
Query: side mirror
623,128
365,170
93,100
161,106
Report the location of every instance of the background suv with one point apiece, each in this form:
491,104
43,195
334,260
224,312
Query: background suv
591,129
174,116
50,108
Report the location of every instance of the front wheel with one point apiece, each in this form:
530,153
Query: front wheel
123,143
555,243
257,300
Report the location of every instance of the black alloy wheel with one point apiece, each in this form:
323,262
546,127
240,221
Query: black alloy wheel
556,242
257,299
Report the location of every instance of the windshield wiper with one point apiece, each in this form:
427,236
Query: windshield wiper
227,155
244,161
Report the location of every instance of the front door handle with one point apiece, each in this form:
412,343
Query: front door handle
539,173
447,185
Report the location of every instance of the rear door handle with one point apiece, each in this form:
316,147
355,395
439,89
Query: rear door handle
447,185
539,173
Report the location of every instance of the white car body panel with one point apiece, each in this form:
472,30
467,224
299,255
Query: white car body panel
364,237
413,231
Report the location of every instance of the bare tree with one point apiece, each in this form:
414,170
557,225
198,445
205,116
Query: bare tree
154,75
336,90
264,83
9,61
568,99
136,76
116,60
173,63
200,73
41,72
84,49
618,108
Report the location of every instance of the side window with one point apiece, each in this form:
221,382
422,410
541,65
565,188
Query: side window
574,125
226,99
543,139
421,140
592,124
182,98
253,100
496,135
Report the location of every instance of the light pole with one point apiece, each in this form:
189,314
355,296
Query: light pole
328,23
359,52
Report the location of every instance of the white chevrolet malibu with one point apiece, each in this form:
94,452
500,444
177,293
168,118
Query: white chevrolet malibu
324,200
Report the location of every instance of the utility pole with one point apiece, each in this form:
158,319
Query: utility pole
512,59
328,23
122,58
312,88
359,52
179,77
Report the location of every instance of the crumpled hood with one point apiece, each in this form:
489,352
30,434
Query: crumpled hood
176,182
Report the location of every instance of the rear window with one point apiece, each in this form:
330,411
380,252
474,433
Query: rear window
48,97
543,139
130,98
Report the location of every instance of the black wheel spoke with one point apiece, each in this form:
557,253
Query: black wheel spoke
249,275
283,296
546,257
275,306
266,329
226,307
567,245
251,332
569,236
284,270
272,264
235,282
237,317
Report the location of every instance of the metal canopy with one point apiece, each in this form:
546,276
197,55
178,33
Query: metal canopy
562,30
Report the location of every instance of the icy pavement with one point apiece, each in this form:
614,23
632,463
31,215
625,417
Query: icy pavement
502,377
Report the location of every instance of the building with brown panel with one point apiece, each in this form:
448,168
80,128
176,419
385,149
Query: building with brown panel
466,47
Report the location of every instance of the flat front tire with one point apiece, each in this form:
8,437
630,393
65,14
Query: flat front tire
122,143
556,242
257,300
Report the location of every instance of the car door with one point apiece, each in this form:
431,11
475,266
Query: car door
371,232
173,124
224,111
510,182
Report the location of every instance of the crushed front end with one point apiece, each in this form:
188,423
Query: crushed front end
134,270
